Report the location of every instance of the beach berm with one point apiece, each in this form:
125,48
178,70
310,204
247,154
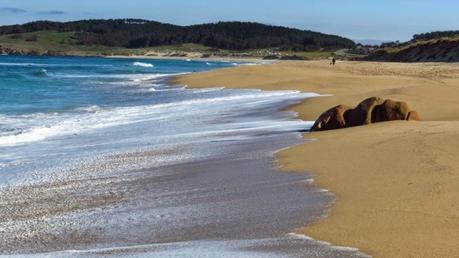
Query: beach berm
396,183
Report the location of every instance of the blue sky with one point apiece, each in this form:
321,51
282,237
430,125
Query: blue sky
356,19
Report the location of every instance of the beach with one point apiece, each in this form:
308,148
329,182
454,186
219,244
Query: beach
104,156
395,183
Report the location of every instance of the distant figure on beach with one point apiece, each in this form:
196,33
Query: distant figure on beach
333,62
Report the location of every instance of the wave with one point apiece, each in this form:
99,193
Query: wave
208,90
35,134
324,243
41,73
149,77
52,65
249,64
141,64
134,77
41,126
89,109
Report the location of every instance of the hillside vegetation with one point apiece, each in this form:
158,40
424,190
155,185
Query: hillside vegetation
132,34
441,46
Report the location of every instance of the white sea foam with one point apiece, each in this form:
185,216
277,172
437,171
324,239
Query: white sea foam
39,127
229,248
148,77
89,109
208,90
138,77
342,248
35,134
309,181
249,64
142,64
52,65
212,248
41,73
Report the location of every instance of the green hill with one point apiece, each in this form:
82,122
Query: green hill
441,46
133,35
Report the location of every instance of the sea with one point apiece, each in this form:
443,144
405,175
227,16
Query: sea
105,156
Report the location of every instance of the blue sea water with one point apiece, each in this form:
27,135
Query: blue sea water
57,113
58,84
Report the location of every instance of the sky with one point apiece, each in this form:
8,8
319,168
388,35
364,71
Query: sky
384,20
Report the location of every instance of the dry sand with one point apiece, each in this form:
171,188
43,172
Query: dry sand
396,183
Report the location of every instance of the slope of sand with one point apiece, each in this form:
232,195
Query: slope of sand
396,183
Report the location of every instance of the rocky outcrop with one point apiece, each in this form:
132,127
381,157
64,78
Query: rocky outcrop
361,115
371,110
331,119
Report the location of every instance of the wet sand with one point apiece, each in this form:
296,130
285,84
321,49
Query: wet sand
395,183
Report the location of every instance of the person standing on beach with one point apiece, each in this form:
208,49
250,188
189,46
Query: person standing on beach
333,62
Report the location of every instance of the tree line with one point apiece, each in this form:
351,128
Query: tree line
436,35
136,33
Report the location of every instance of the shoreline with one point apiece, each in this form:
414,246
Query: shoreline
195,58
191,171
393,182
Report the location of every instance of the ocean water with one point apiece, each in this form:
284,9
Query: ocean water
70,107
103,156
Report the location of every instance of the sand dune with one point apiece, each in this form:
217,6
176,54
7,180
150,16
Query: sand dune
396,183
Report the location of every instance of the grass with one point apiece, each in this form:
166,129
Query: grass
44,41
190,47
322,54
392,50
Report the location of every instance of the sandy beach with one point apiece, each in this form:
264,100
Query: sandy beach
395,183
